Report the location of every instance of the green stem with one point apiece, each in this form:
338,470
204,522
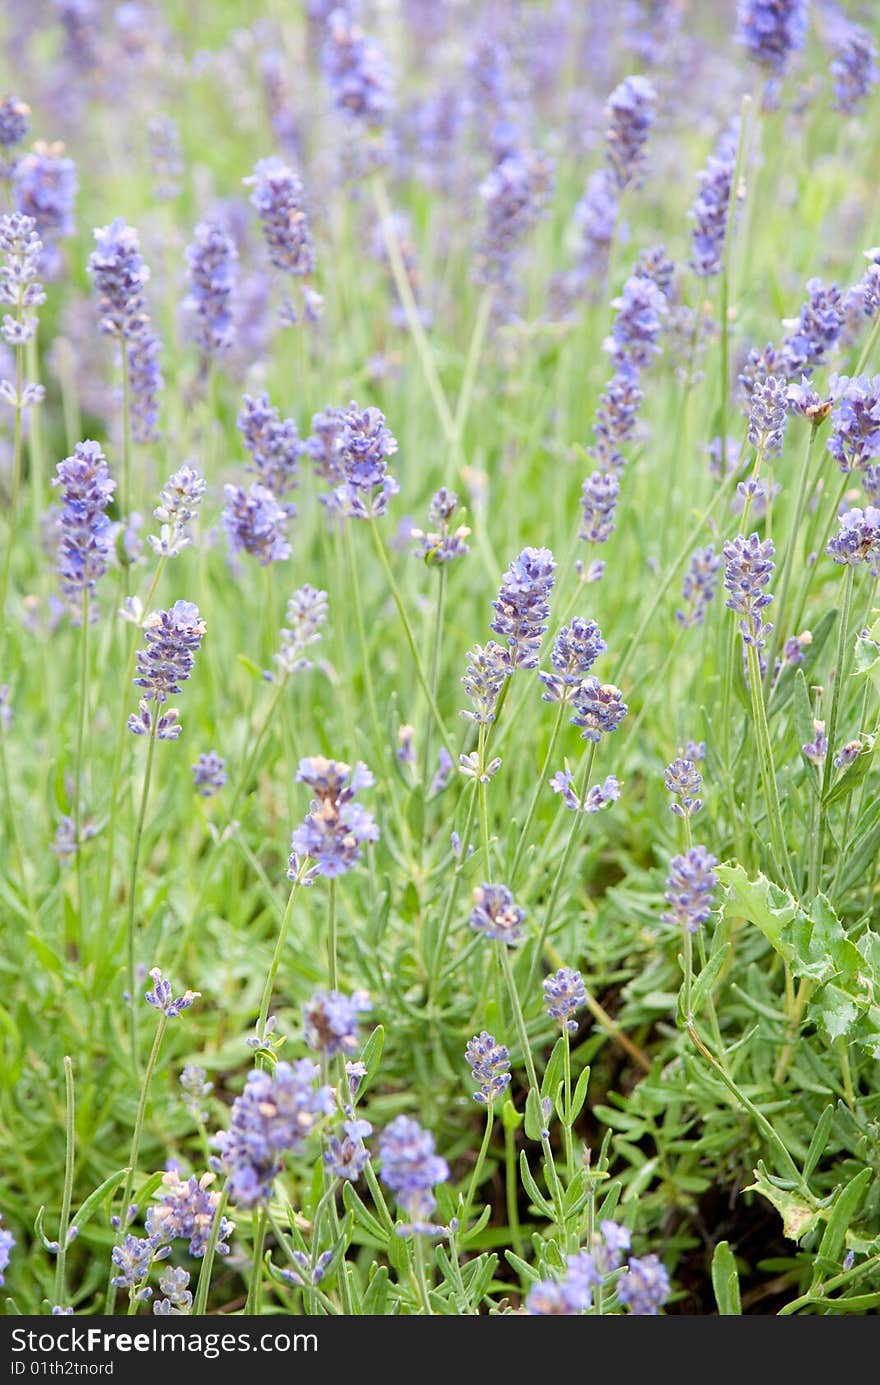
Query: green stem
78,761
255,1282
201,1299
840,674
539,784
410,638
15,493
443,930
331,935
421,1278
759,1118
67,1194
411,310
136,1137
768,773
791,548
561,870
478,1169
482,788
819,549
819,1295
126,431
277,955
511,1191
566,1124
132,885
534,1085
436,646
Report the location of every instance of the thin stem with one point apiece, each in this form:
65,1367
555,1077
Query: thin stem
132,884
768,773
201,1298
255,1282
331,935
78,761
277,955
411,310
16,489
511,1191
566,1124
126,431
759,1118
539,784
443,930
561,869
819,550
421,1278
534,1086
478,1168
482,788
840,673
136,1136
378,736
791,549
819,1295
410,639
67,1194
436,647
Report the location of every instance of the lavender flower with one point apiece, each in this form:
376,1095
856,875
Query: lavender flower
331,1021
186,1212
495,914
119,275
336,827
174,1284
598,797
145,382
15,121
689,888
134,1259
767,415
514,193
357,72
347,1158
847,754
631,112
599,709
279,198
855,421
550,1298
255,523
599,495
84,549
411,1169
616,417
273,1117
365,444
212,271
858,538
615,1239
645,1286
771,30
440,544
179,502
749,565
45,186
853,67
7,1243
324,444
209,774
21,249
196,1089
814,333
274,444
306,613
575,650
684,781
161,998
817,751
522,606
596,217
711,209
564,993
489,666
698,588
172,639
490,1067
634,336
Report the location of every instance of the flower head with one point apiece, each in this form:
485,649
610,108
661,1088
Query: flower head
599,495
684,781
45,186
645,1286
858,538
255,523
273,1117
522,607
212,271
853,67
599,709
15,121
565,993
699,586
21,249
209,774
186,1212
749,566
357,72
711,210
279,198
690,887
490,1067
7,1243
365,444
179,502
635,334
331,1021
411,1169
172,639
273,443
771,30
488,668
86,491
575,650
814,333
631,111
347,1158
337,826
161,998
441,544
855,421
119,275
767,415
306,613
496,915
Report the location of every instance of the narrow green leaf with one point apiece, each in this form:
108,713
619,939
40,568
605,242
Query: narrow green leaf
843,1211
94,1200
531,1186
580,1093
725,1281
702,987
362,1216
818,1142
553,1072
